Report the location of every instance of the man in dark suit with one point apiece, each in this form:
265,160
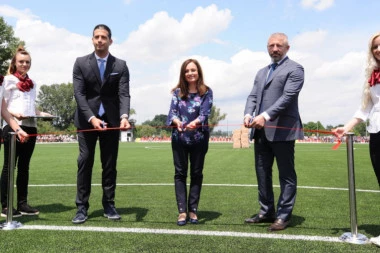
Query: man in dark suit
272,112
101,89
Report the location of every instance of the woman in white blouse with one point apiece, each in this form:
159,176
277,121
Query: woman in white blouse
370,109
20,96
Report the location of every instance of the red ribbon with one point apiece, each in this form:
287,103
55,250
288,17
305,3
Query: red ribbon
336,146
25,84
375,77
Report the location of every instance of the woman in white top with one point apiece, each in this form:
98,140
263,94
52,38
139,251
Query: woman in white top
20,96
370,109
21,134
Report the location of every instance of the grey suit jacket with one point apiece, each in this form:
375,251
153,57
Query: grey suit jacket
278,96
89,91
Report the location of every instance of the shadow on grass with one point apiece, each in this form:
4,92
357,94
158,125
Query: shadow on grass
205,216
140,212
296,220
44,209
54,208
370,229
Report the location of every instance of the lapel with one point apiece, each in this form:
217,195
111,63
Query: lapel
94,67
109,67
277,70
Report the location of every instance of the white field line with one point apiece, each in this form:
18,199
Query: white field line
183,232
188,232
217,185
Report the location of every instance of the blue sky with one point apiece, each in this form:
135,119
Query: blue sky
328,37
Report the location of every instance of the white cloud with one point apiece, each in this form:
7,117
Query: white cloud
319,5
163,37
309,40
53,50
155,51
8,11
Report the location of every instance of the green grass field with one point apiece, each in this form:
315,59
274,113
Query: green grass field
145,200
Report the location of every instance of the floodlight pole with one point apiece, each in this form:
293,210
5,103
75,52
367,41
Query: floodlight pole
352,237
9,224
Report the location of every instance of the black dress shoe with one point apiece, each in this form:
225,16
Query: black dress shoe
279,224
111,213
80,217
259,218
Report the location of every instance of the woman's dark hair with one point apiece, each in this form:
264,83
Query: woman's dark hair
183,85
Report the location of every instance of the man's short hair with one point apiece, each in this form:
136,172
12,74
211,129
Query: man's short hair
102,26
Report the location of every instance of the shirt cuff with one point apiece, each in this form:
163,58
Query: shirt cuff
265,115
124,116
89,120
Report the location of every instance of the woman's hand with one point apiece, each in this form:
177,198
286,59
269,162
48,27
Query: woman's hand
178,124
19,116
192,125
339,132
22,135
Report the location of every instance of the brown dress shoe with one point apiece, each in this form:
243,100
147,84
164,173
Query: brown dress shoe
259,218
278,224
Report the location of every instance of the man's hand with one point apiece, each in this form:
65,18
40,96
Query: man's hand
124,123
258,122
98,123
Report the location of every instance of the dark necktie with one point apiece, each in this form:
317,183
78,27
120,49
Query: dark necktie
101,70
272,68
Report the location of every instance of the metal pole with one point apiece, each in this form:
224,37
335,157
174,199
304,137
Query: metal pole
9,224
352,237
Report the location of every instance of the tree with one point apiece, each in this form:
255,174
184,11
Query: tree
312,128
145,130
215,117
159,123
8,45
58,99
360,129
132,112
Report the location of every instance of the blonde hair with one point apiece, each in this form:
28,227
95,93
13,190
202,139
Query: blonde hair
371,65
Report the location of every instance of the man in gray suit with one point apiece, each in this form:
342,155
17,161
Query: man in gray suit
272,112
101,90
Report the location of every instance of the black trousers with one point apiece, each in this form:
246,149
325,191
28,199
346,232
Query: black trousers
182,154
374,151
265,153
109,146
24,152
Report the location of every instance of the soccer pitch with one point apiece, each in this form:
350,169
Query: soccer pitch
145,199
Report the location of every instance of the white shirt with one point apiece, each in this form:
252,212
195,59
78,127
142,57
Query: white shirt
20,102
372,110
105,60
